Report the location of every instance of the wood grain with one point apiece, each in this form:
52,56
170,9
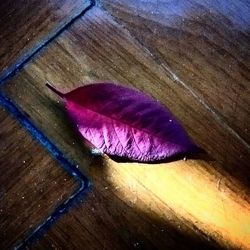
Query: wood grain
203,202
26,25
153,207
112,221
205,46
31,183
83,54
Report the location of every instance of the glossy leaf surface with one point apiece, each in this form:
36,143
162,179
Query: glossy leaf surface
124,122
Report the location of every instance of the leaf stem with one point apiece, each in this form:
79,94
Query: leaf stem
51,87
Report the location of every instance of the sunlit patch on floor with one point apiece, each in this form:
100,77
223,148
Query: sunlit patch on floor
188,189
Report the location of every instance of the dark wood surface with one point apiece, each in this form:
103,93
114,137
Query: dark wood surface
130,64
178,52
26,25
98,48
204,46
32,184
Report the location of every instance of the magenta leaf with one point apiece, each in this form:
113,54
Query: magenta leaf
124,122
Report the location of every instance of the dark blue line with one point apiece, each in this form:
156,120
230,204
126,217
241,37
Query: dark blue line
41,138
69,167
12,70
59,211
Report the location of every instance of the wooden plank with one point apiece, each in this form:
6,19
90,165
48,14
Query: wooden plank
87,53
153,207
25,26
122,215
83,54
31,183
204,45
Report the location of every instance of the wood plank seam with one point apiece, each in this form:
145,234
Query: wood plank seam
177,79
19,64
68,166
38,135
203,102
42,226
58,212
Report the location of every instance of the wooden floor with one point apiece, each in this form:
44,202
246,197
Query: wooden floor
192,56
31,183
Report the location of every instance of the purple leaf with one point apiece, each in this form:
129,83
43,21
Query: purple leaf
124,122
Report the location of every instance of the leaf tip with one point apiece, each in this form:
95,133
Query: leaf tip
51,87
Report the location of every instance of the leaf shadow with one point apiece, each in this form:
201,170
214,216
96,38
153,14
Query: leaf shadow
202,155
